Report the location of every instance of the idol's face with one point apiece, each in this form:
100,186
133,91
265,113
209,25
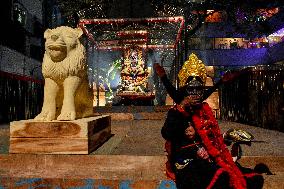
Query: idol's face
194,88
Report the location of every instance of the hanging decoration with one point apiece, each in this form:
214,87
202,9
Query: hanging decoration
153,33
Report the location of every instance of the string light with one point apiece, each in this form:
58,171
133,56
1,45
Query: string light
162,32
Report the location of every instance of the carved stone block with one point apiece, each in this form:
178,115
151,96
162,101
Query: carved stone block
80,136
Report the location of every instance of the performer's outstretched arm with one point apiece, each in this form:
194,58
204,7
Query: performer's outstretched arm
178,96
211,90
227,77
172,91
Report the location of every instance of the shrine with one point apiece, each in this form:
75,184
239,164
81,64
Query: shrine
137,41
142,94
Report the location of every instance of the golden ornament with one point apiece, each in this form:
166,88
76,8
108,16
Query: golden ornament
192,67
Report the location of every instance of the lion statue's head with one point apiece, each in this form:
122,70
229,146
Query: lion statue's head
64,53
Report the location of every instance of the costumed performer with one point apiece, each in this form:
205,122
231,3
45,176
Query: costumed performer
197,155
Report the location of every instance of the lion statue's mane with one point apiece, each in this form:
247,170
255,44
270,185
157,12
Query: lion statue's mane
64,69
73,64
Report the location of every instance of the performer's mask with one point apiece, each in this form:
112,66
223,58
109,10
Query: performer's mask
192,77
194,87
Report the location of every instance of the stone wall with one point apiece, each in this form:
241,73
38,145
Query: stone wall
12,61
33,7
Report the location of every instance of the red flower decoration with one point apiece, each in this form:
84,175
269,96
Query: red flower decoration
207,127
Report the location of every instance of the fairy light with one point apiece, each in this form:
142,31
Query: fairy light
157,34
276,37
279,33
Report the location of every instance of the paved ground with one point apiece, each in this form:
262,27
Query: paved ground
134,153
142,137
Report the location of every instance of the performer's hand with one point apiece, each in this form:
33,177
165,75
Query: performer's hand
231,75
202,153
189,101
159,70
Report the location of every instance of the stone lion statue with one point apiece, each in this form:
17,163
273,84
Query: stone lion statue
67,95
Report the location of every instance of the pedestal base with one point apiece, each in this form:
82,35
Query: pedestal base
80,136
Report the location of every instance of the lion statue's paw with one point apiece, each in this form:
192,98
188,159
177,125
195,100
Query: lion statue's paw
45,116
67,115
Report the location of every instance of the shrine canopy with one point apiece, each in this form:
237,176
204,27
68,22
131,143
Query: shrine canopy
148,33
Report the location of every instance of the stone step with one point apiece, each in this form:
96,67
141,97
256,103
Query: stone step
113,171
275,181
131,109
137,116
67,183
134,112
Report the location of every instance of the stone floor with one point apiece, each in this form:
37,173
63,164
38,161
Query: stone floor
142,137
135,153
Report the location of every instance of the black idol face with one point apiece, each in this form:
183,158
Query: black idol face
194,87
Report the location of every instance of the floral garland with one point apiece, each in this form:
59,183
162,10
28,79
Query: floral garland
206,125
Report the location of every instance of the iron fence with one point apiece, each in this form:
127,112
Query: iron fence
256,98
20,97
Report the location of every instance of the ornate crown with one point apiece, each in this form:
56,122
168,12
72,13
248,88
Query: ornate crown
192,67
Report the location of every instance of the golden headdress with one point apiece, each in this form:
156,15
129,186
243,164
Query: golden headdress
192,67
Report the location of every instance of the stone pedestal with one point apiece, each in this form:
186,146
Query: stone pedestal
80,136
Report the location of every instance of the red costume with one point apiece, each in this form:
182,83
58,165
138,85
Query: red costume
184,165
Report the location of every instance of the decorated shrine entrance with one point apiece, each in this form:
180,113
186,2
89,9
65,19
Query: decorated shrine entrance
134,78
129,47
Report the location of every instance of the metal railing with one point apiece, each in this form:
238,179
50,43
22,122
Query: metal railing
257,98
20,97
